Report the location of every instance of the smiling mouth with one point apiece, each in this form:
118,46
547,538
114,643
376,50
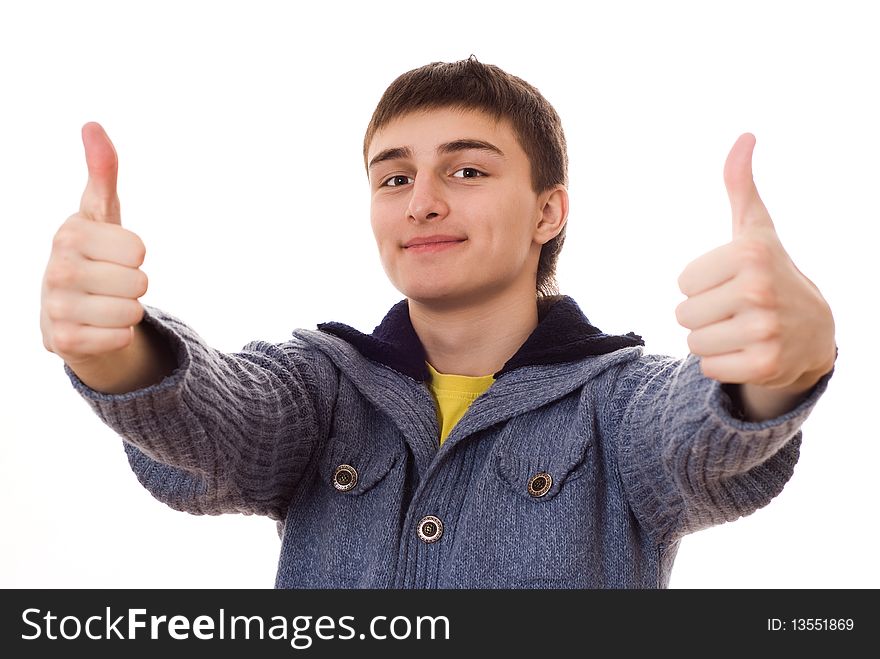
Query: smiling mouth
436,246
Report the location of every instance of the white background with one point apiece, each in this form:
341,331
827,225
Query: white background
239,129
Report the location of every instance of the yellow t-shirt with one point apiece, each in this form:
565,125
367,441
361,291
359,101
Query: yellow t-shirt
454,394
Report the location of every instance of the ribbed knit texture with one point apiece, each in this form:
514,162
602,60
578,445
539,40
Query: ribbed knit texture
642,449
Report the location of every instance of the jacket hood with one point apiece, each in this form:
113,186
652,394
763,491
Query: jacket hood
563,334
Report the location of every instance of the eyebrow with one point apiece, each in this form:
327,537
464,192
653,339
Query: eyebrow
404,152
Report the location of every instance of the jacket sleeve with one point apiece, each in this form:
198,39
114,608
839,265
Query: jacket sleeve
224,433
686,459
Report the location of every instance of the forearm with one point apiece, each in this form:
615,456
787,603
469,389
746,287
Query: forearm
224,432
687,459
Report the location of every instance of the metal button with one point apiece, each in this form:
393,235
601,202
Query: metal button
345,477
430,528
540,483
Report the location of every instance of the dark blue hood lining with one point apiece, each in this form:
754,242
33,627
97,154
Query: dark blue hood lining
563,334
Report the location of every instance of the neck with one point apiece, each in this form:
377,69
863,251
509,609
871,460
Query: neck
474,338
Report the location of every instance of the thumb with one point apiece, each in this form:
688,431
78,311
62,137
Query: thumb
745,203
100,201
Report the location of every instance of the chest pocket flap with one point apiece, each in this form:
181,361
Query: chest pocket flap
354,470
363,446
538,452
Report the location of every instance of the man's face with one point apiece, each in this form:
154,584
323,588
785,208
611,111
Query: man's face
463,175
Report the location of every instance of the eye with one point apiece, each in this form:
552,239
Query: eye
396,180
468,172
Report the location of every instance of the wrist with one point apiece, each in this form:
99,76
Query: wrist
809,378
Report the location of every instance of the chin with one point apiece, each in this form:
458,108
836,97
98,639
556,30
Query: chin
443,296
427,293
428,290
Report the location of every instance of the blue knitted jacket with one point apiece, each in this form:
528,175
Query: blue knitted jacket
582,466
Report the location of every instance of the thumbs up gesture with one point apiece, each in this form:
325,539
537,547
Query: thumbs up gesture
91,285
755,319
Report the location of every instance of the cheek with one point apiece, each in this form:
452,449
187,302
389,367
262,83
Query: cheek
383,214
384,233
378,221
510,229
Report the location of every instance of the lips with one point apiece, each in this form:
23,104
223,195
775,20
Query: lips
430,240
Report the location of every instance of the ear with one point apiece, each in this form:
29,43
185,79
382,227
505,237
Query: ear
553,209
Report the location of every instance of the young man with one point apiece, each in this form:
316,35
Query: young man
485,434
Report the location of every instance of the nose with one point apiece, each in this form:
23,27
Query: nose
427,201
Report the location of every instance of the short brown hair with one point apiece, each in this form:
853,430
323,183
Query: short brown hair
472,85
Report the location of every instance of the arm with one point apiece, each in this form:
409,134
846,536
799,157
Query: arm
206,432
221,432
685,459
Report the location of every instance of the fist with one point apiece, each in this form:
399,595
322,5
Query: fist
92,282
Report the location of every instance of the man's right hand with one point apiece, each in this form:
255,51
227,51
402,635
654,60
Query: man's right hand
89,301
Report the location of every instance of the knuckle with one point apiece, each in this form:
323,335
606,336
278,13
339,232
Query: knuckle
754,252
764,371
65,340
60,274
767,365
64,239
766,327
57,308
759,293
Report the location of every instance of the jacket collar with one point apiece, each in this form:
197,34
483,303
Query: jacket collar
563,334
